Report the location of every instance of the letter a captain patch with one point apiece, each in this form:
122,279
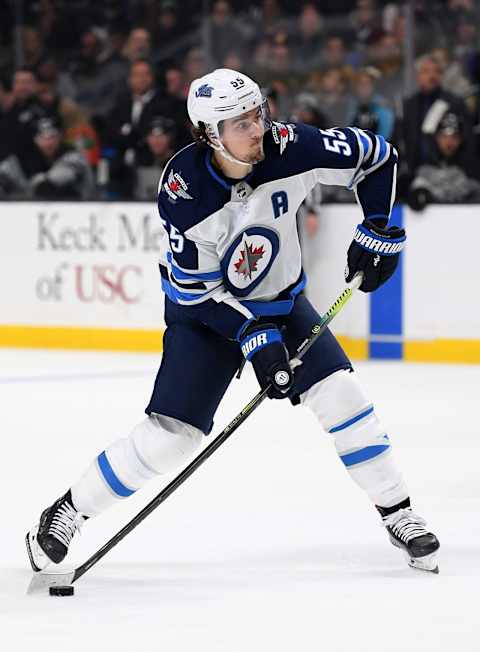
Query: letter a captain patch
279,203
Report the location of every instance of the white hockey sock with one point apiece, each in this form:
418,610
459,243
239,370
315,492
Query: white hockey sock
156,445
362,445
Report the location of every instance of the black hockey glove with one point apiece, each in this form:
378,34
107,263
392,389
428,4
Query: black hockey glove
262,344
375,252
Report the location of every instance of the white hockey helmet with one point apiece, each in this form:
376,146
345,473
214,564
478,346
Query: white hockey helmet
220,95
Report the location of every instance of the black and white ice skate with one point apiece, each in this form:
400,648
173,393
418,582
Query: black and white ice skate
48,541
407,531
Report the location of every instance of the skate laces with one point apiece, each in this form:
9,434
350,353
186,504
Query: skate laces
405,524
65,522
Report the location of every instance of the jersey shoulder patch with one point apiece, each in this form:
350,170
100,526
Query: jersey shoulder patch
175,186
282,134
186,195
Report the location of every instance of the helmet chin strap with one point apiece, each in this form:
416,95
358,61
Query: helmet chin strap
223,151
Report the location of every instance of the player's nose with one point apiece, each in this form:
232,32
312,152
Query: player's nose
256,130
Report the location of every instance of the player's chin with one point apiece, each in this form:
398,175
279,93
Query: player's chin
257,156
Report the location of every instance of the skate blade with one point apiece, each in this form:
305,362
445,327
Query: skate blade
428,563
38,559
41,582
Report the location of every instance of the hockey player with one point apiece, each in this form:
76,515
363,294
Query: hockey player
231,272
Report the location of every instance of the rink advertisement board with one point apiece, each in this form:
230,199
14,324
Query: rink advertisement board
81,275
428,311
86,275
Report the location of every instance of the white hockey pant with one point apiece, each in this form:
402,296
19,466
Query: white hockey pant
157,445
343,410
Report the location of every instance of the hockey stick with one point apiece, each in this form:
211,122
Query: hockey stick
45,580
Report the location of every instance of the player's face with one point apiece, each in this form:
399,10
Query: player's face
243,136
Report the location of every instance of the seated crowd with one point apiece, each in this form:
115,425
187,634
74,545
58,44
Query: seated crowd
94,104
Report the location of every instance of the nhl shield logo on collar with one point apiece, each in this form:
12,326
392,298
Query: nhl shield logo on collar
241,191
176,187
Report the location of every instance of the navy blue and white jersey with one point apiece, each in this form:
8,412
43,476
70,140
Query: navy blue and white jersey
231,250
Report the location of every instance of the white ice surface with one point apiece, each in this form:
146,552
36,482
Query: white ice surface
268,547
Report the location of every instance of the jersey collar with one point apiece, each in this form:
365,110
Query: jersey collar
221,178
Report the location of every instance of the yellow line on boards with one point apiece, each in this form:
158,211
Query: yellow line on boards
355,347
442,350
94,339
114,339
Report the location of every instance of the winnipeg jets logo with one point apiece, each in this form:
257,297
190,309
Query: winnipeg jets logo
176,187
204,91
283,134
249,257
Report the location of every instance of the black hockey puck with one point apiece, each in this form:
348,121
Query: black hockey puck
61,590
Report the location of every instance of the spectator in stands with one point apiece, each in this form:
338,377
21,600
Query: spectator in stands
52,171
59,82
465,46
368,109
366,23
23,110
234,61
138,45
127,122
385,54
267,18
224,31
78,130
457,12
454,78
96,76
112,47
333,96
306,108
135,107
420,115
308,37
168,30
33,48
281,60
159,137
195,64
451,173
336,55
274,63
175,85
174,96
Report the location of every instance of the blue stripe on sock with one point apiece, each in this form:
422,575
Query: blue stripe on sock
363,454
353,420
109,474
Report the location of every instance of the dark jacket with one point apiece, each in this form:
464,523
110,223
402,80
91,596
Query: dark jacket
415,145
66,176
17,126
122,133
